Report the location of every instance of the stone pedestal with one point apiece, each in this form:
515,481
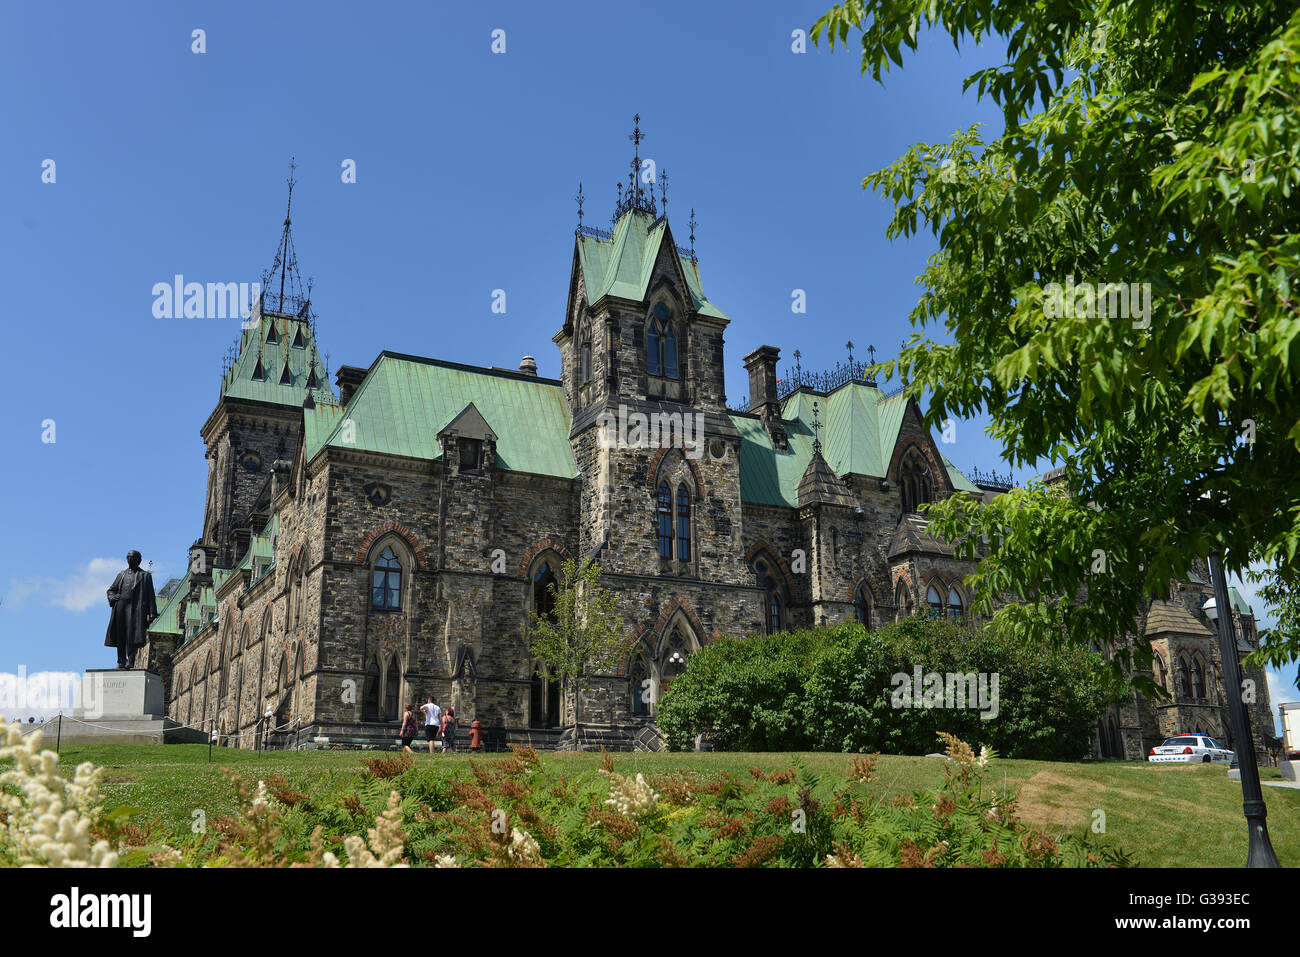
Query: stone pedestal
115,705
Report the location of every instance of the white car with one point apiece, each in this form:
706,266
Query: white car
1191,748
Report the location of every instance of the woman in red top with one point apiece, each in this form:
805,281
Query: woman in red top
409,728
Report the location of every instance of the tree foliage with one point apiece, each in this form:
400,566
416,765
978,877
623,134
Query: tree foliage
833,689
1143,143
583,634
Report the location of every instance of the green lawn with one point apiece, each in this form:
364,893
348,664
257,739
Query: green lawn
1164,815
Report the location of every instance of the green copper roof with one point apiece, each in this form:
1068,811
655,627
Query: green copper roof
318,423
622,265
405,401
1239,603
859,430
167,623
293,349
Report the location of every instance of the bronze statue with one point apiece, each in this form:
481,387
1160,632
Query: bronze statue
134,609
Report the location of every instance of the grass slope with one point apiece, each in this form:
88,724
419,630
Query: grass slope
1164,815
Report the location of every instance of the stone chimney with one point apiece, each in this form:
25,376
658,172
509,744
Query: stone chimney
761,365
528,365
348,378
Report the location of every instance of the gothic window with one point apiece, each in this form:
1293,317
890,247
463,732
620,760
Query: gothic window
386,582
223,666
392,685
639,677
297,337
1160,673
271,334
683,523
300,590
1184,676
585,373
674,658
902,602
862,606
543,598
1198,677
772,600
311,379
661,344
914,483
935,601
665,522
370,692
543,699
954,604
258,374
282,679
285,377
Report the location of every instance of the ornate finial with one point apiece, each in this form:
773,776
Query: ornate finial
663,191
293,165
901,347
849,345
636,136
872,350
579,198
693,224
817,425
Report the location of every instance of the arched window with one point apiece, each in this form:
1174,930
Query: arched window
392,685
665,522
914,482
935,601
772,600
902,602
1161,676
1184,676
386,582
1198,677
282,679
543,698
683,523
674,655
661,344
223,668
585,356
370,692
543,597
639,685
954,604
862,606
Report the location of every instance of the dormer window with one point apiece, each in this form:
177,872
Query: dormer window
258,372
469,453
271,334
297,337
661,344
286,378
914,483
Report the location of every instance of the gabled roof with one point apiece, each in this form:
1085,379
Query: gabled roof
1170,617
406,401
275,356
861,430
912,535
167,623
821,486
623,264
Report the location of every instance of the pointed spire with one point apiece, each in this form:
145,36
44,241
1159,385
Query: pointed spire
282,289
663,191
817,430
693,224
579,199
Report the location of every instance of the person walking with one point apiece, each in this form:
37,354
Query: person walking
432,721
449,730
409,728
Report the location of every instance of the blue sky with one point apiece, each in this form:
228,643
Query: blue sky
169,161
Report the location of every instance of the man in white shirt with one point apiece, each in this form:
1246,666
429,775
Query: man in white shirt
432,721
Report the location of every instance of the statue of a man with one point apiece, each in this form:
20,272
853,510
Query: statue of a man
134,608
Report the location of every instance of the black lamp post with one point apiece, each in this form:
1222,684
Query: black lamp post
1261,849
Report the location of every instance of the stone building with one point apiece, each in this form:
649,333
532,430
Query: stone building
367,549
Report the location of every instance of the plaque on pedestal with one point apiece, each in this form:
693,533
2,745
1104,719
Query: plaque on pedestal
123,705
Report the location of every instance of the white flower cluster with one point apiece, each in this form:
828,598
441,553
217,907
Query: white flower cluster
48,818
631,798
444,860
523,848
387,840
987,754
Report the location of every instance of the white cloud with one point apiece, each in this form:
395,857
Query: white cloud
42,694
83,589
